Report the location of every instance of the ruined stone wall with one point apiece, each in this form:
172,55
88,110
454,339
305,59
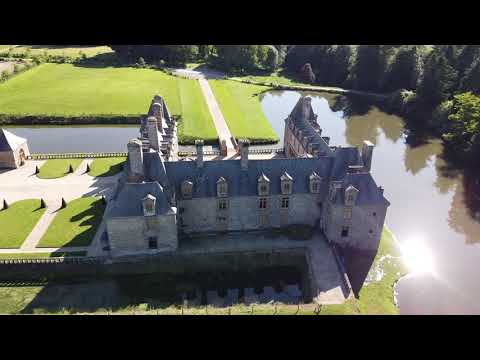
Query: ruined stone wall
243,213
129,235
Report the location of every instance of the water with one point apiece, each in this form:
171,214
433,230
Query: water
427,204
77,139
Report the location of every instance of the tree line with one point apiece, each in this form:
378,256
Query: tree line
432,86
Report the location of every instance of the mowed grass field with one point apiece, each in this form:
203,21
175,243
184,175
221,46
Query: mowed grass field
105,167
76,225
73,50
58,168
17,222
242,110
71,91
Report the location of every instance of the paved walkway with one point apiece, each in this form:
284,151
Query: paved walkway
22,184
218,119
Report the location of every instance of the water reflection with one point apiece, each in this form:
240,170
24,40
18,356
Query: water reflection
430,199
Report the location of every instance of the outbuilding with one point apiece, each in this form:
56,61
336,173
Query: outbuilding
13,150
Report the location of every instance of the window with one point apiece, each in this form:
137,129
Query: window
223,205
263,188
263,203
221,219
347,214
314,187
285,203
152,243
345,231
286,188
187,188
222,187
350,199
374,214
263,220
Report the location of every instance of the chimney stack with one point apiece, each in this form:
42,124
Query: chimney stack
199,145
152,128
135,160
367,154
244,151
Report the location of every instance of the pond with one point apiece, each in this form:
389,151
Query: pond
52,140
428,212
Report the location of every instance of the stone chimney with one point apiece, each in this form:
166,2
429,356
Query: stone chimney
152,129
135,160
306,107
367,154
244,151
199,145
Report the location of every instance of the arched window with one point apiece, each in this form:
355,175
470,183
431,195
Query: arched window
286,184
263,185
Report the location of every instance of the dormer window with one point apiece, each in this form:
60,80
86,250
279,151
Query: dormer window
187,189
148,204
222,187
287,184
263,185
315,181
351,194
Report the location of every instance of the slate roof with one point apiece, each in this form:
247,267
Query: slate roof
9,141
369,194
245,182
129,200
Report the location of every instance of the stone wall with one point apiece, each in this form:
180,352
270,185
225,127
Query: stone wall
365,228
129,235
12,160
243,213
165,263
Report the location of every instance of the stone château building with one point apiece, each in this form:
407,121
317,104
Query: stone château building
160,198
13,150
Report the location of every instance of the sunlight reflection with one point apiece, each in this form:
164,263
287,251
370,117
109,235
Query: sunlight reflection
417,256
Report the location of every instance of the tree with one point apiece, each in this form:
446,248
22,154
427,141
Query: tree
438,80
404,71
369,67
242,57
464,133
471,80
467,57
272,59
307,73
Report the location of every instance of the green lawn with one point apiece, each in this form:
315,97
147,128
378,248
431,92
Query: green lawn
376,298
76,225
57,168
104,167
42,255
197,122
73,51
72,91
69,90
242,110
17,222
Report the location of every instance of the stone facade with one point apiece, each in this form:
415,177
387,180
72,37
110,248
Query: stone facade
317,185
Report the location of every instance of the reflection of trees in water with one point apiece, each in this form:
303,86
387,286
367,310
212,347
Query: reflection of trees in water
416,158
464,214
364,121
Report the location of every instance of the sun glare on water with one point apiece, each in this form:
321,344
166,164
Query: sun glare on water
417,256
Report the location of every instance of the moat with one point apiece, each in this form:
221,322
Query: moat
428,212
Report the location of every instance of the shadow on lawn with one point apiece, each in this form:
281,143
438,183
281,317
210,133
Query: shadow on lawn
154,290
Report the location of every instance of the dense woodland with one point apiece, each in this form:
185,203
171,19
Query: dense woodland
436,88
